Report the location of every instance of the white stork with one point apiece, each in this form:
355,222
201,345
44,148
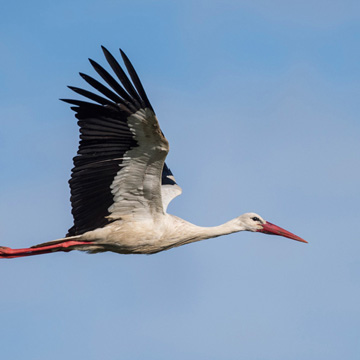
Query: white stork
120,184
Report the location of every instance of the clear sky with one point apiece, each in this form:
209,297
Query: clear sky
260,103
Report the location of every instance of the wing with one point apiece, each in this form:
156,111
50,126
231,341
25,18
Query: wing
169,188
119,168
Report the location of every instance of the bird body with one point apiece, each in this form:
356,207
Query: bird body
149,236
120,184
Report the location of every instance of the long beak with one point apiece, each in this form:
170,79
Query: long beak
269,228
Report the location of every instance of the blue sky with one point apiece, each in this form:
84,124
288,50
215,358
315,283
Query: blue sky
260,103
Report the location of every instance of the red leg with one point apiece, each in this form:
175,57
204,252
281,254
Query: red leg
8,253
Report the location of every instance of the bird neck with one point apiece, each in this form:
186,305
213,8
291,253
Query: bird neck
229,227
185,233
181,232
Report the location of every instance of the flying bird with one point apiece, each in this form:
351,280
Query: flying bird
120,184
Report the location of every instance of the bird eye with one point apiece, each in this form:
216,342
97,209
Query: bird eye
255,218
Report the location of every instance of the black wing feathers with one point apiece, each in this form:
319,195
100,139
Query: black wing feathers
105,137
167,177
103,89
135,79
91,96
122,77
115,85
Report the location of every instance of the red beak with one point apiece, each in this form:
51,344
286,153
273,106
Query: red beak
269,228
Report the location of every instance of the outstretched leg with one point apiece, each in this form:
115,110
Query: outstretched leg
8,253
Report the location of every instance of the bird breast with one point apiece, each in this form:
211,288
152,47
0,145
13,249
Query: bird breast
145,236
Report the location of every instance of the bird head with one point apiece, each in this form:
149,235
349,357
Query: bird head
254,222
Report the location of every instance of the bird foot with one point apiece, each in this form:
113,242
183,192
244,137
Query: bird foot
8,253
4,248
